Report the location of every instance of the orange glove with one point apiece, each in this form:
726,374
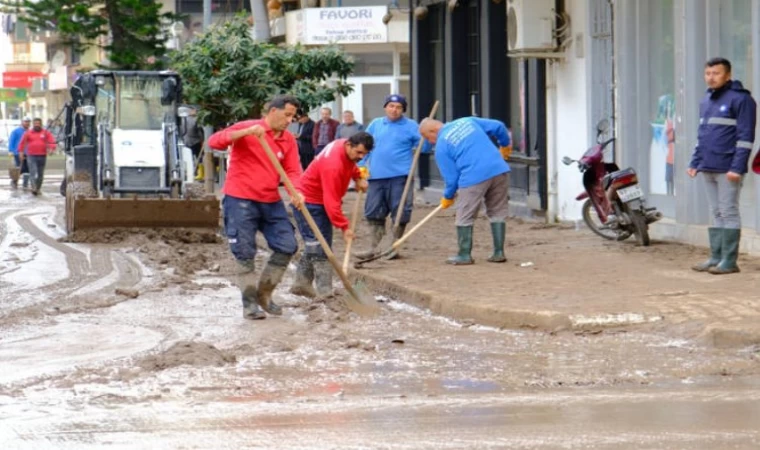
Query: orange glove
364,172
506,151
446,203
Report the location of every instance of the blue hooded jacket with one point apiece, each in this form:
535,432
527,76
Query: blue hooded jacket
726,132
466,155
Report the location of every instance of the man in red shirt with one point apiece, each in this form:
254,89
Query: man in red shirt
323,186
34,147
252,200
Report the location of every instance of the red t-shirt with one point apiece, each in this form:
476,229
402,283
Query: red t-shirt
326,181
37,143
251,174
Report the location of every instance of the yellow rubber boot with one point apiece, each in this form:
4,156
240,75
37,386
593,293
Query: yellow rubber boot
199,173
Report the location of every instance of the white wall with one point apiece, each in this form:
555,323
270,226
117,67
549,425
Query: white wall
567,119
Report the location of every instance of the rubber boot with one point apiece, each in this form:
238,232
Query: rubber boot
464,239
716,244
199,173
729,251
251,310
270,278
377,232
323,273
499,232
396,236
304,278
25,181
246,281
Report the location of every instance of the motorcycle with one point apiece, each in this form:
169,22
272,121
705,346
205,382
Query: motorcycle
614,206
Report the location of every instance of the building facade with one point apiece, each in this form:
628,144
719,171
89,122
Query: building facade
637,63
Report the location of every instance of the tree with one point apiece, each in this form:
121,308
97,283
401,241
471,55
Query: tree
135,27
231,76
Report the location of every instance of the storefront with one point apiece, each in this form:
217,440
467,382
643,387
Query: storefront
661,48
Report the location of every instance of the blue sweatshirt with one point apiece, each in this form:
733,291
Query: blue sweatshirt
726,131
395,143
14,139
466,155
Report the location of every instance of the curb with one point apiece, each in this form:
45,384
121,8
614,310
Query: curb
546,320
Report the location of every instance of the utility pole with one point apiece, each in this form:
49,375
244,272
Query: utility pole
208,156
261,32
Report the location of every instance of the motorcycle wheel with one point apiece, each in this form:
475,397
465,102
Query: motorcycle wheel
595,224
641,230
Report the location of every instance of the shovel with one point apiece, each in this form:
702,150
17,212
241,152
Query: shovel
401,240
354,219
364,303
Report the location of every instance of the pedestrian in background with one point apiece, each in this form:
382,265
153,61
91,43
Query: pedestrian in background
349,126
304,129
14,149
725,138
396,138
34,147
324,130
471,164
323,185
252,201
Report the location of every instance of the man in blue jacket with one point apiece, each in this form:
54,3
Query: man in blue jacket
13,142
396,138
724,141
470,163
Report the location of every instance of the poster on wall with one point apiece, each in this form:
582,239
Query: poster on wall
662,148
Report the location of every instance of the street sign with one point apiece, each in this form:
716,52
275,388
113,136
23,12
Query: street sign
12,95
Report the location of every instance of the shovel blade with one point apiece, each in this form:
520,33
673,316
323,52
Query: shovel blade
361,301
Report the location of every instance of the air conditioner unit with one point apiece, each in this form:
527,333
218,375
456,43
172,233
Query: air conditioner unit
530,26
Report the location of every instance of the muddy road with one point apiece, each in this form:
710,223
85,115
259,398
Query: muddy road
136,341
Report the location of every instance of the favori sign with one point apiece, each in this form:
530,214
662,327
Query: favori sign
361,25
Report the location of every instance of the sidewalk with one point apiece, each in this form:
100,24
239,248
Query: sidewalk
559,278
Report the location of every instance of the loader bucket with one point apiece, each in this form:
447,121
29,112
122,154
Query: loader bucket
91,213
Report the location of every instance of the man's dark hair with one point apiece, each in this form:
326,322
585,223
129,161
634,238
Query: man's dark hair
362,138
718,61
280,101
37,119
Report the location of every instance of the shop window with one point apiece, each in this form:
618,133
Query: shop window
736,38
661,102
373,64
405,90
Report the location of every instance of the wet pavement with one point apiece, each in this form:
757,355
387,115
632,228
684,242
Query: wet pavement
174,365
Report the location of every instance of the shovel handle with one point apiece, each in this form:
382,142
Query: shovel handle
402,239
354,219
412,169
310,220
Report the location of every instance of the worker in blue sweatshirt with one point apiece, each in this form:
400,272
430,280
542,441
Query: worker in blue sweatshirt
396,138
471,164
725,138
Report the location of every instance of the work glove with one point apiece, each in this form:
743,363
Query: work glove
364,172
446,203
505,151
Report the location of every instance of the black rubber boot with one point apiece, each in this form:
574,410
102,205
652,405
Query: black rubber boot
377,232
464,239
246,281
270,278
716,245
499,233
323,273
730,252
251,310
304,278
398,234
25,181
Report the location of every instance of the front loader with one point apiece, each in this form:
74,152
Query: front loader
125,162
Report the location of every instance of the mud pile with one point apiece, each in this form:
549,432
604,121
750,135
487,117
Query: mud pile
186,353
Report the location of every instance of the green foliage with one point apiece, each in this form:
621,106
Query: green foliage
231,77
136,27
